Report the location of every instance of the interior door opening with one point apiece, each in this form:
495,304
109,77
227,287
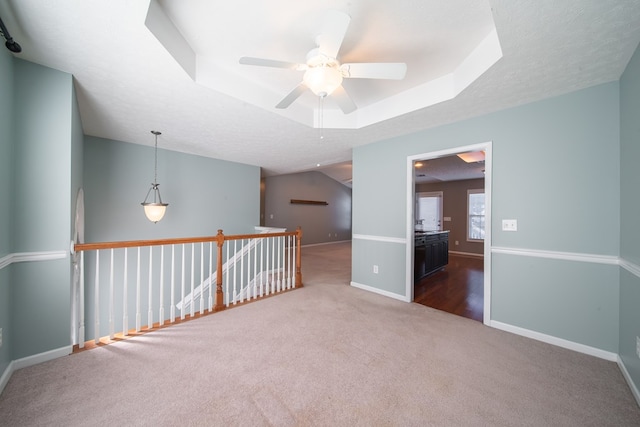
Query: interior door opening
462,286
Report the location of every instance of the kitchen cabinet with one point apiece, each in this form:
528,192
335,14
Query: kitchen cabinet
431,253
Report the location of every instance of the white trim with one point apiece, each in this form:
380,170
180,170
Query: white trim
32,360
468,254
5,261
31,256
6,376
565,256
43,357
629,266
629,380
487,147
379,291
560,342
380,238
325,243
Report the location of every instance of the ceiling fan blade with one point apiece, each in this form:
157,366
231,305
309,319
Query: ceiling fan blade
343,100
373,70
247,60
292,96
333,32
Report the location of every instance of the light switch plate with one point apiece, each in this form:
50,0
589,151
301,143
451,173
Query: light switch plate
509,225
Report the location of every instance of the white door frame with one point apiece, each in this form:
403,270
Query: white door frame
486,146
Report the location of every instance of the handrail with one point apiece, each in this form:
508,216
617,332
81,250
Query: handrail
219,239
79,247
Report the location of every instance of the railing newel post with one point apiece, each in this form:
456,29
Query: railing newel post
219,295
298,257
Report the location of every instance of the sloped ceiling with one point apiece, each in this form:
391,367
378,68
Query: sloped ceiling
129,82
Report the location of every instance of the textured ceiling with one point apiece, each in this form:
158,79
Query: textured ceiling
127,82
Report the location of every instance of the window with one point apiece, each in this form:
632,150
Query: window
475,212
429,211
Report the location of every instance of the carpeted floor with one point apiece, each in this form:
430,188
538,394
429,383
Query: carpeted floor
327,354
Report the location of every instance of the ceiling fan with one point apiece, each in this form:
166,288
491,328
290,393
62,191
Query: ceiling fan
323,73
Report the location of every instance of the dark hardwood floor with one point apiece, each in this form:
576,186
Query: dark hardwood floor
457,289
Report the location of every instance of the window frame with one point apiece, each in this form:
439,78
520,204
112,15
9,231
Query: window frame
469,193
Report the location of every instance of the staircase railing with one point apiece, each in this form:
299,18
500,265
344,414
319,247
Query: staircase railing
263,264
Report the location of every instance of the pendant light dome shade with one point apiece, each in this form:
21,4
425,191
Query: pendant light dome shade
323,79
155,209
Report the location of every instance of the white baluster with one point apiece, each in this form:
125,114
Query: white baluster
279,271
138,313
261,266
255,268
290,261
81,336
267,272
173,283
96,288
202,277
226,291
210,276
182,311
273,265
125,296
150,300
193,301
235,270
111,299
161,308
241,269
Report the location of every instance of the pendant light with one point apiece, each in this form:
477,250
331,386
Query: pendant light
154,210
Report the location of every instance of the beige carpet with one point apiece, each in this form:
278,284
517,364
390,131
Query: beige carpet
326,354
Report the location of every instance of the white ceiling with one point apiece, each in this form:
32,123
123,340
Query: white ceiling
128,83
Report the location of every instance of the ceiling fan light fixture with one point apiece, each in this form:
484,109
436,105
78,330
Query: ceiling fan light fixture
323,79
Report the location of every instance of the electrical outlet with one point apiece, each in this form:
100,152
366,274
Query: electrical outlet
375,269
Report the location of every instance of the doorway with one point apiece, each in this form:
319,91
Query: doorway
477,270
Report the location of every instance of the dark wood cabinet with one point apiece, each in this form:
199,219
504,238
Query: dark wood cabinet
431,253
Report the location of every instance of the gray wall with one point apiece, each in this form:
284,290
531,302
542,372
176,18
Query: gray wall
42,159
320,224
204,194
454,205
542,153
630,215
6,191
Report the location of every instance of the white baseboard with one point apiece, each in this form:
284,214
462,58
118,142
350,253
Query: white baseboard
560,342
6,375
379,291
469,254
32,360
325,243
627,377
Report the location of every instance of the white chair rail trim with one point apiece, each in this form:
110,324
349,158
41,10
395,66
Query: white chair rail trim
31,256
571,256
401,240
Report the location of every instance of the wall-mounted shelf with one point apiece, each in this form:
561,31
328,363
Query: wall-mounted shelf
308,202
